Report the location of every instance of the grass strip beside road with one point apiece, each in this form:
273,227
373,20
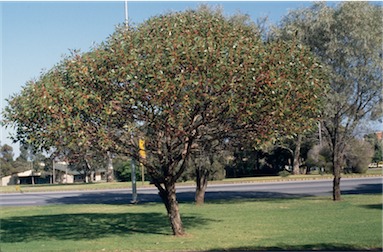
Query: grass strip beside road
125,185
314,223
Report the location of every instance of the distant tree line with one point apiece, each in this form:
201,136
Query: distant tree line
242,161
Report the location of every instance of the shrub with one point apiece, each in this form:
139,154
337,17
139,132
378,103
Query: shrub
358,155
320,156
284,173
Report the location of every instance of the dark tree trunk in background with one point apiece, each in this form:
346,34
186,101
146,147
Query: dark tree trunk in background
89,174
201,180
297,154
110,171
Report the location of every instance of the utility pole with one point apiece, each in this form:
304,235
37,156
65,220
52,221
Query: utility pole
132,161
320,133
133,174
134,182
126,14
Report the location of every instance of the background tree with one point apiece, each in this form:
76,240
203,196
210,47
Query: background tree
347,39
86,163
27,159
377,145
6,159
171,80
272,157
358,155
320,157
206,162
123,169
300,146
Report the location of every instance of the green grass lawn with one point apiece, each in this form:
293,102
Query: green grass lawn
261,224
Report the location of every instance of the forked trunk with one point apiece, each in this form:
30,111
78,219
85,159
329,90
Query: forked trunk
201,181
88,172
168,196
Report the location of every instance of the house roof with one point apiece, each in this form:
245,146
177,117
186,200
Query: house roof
28,173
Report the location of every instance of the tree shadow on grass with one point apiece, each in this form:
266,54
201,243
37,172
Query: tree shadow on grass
365,189
306,247
218,197
374,206
232,197
121,198
88,226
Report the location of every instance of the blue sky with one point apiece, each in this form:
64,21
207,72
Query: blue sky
35,35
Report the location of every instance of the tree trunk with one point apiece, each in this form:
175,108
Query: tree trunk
297,154
168,196
110,171
88,172
337,168
53,172
336,193
201,180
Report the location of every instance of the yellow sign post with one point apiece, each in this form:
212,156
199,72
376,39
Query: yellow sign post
141,145
142,153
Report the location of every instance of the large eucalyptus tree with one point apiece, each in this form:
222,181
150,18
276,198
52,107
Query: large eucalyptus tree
348,40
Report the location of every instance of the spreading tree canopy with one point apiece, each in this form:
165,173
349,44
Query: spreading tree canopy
172,81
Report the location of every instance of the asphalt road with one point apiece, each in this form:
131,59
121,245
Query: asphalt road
293,189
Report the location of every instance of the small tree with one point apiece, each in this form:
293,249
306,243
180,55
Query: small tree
206,162
377,145
6,160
